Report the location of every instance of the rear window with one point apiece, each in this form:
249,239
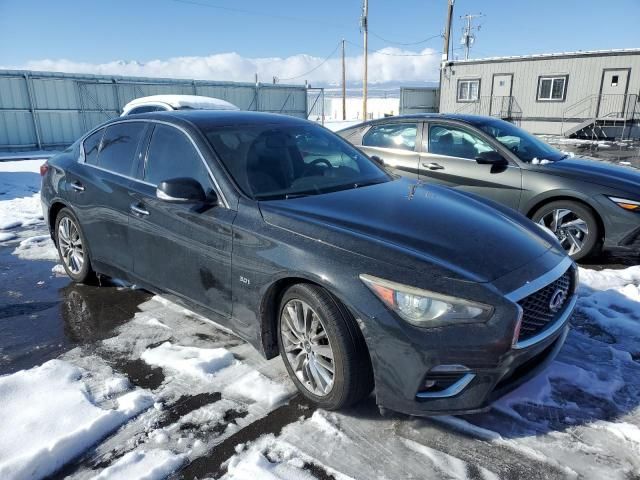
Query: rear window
92,146
392,135
119,146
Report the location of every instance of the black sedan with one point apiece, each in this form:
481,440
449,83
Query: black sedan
587,204
357,278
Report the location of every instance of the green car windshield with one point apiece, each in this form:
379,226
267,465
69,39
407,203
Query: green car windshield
525,146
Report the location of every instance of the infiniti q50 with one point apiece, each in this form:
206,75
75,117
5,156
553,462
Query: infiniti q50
282,231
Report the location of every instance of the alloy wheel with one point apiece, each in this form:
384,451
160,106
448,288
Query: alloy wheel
570,230
70,244
307,347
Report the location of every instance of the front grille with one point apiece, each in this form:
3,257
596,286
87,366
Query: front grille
537,314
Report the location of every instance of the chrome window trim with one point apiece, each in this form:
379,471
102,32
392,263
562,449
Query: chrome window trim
438,155
540,282
149,120
120,175
450,391
555,327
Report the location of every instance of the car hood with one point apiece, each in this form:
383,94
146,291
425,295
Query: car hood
423,227
594,171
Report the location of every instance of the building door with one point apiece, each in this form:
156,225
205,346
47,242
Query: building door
613,93
501,95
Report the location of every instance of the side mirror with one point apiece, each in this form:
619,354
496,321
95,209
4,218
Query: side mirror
182,190
491,158
378,160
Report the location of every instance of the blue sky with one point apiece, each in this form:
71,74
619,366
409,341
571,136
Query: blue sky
97,32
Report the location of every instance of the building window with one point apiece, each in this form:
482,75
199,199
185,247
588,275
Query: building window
468,90
552,89
614,80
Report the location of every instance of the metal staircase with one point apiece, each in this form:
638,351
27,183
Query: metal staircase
601,116
504,107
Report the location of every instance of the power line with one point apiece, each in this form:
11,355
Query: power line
314,68
259,14
407,43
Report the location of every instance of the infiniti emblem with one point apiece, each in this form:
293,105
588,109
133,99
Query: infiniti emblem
557,300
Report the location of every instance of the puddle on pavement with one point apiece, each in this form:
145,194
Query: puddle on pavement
43,315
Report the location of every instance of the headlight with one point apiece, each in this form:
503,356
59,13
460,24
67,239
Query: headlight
631,205
424,308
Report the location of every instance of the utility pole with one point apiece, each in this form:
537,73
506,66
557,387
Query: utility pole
365,27
344,85
447,32
467,35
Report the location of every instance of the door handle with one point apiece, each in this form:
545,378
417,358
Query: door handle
77,186
138,209
433,166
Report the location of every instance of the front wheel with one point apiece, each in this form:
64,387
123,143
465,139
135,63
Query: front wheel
322,348
72,247
574,225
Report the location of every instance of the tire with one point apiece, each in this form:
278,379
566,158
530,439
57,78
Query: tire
73,240
577,225
352,373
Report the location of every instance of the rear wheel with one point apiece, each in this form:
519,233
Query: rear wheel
322,348
72,247
574,225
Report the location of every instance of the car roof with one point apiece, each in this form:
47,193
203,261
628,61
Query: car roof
217,118
470,119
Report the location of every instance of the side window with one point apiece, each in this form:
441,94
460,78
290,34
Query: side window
392,135
119,146
172,155
91,147
468,90
455,142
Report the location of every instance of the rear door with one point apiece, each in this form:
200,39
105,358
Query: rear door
181,248
102,186
612,102
450,159
501,95
396,143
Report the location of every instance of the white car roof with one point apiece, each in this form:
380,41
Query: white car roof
182,101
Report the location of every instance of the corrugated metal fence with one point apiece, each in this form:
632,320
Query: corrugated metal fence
51,110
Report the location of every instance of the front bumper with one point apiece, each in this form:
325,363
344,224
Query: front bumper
479,363
621,227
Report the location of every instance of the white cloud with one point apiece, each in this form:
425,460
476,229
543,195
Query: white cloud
387,65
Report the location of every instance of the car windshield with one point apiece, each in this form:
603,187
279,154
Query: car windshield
526,146
279,161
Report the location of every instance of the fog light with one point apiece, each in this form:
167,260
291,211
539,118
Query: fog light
429,384
440,384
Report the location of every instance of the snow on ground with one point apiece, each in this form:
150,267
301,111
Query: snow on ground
49,418
143,465
21,211
37,247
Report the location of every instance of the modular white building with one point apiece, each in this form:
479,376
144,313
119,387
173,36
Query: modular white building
592,94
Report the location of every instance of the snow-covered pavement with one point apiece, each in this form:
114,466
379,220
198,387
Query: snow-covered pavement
139,387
